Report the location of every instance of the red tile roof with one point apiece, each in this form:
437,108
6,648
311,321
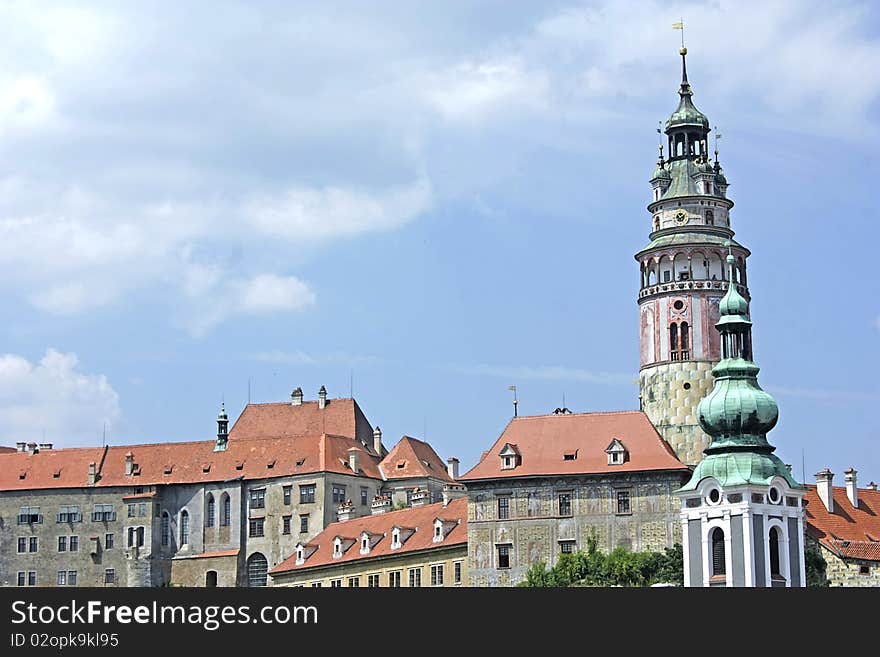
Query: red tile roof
6,450
543,440
847,532
208,555
411,457
340,417
185,462
422,518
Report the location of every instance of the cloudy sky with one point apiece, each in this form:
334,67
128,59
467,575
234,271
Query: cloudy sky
425,202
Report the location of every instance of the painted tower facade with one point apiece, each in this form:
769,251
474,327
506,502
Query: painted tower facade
683,278
742,512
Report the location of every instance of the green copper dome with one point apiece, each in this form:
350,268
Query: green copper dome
720,178
661,172
733,304
686,114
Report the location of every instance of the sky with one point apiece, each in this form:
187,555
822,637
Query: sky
423,203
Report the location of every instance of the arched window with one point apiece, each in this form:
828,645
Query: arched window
685,341
774,552
710,218
718,560
209,511
211,578
166,529
226,512
673,341
257,567
184,527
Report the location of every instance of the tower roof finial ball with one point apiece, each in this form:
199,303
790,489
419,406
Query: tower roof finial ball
683,51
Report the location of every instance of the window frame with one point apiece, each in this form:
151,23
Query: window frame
506,548
307,493
559,506
256,525
503,507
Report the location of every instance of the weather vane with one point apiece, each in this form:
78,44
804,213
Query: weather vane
680,26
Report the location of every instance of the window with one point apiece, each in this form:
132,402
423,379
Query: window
364,496
336,583
109,576
456,572
255,527
108,541
69,513
184,527
307,494
62,544
22,544
285,525
774,552
437,575
354,582
316,585
864,569
338,494
415,577
103,513
503,508
685,341
287,490
623,501
566,547
32,578
304,523
565,504
257,569
373,580
394,579
21,576
33,544
673,341
226,513
73,544
142,509
62,578
71,578
718,560
504,556
258,498
132,510
209,511
166,529
29,514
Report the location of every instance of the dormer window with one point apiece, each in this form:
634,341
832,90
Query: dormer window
617,453
341,545
510,457
395,538
337,548
442,528
300,555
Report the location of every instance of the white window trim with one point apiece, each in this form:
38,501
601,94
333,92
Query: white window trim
707,527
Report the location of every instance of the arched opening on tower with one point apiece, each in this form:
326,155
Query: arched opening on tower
681,267
716,270
719,567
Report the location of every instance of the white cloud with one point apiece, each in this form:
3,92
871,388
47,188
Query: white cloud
54,398
266,293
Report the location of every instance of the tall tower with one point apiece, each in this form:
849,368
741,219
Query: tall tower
742,513
683,278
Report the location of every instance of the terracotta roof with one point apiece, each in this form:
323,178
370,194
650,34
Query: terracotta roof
411,457
421,518
6,450
847,532
208,555
544,440
185,462
340,417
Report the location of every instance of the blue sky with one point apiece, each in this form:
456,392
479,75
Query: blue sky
430,202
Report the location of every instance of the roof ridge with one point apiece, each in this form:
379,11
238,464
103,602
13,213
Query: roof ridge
545,415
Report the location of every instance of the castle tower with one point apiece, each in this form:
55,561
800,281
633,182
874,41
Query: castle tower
683,278
742,512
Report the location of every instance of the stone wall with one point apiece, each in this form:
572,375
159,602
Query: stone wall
535,531
193,571
672,408
847,572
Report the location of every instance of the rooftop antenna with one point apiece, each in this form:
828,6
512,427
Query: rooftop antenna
803,467
249,390
515,401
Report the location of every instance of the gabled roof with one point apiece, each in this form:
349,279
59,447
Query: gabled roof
847,532
340,417
411,457
543,440
184,462
421,517
6,450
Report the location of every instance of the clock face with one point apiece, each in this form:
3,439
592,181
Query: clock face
680,217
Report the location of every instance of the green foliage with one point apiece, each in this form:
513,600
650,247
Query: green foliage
619,568
815,566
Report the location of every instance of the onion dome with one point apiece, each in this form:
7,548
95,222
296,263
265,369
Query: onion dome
733,305
720,178
661,172
222,414
686,114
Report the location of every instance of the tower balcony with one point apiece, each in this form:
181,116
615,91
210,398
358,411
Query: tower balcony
688,285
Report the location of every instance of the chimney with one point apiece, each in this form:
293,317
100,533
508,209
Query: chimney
93,476
381,504
452,467
344,511
296,397
19,447
129,464
420,497
453,492
32,448
852,490
377,441
353,459
45,446
322,397
872,486
823,487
